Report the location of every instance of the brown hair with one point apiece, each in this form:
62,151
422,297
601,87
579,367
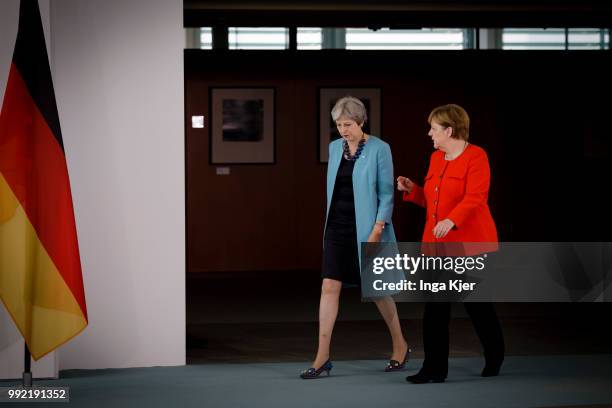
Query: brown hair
453,116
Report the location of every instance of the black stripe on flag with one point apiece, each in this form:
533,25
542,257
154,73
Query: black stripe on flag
32,62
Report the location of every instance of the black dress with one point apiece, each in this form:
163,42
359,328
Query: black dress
340,256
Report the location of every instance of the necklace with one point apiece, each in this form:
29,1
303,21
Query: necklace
347,152
447,157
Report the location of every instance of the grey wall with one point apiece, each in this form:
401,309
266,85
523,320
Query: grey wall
118,76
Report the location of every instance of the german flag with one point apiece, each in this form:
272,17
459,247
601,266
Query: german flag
41,283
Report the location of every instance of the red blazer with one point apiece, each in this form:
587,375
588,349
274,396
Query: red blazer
458,190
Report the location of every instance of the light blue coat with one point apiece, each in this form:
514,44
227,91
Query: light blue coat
373,187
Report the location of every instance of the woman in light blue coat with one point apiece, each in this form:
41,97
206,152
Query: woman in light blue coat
360,191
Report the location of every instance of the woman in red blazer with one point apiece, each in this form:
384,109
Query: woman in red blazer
455,195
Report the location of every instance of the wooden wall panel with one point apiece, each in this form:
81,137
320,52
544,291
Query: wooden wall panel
533,112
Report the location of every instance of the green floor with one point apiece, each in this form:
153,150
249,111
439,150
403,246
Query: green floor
526,381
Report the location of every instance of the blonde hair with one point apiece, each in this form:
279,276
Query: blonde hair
453,116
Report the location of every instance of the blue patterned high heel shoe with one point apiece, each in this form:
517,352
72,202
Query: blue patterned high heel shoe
315,372
395,365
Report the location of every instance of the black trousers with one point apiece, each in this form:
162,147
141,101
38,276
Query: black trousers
436,336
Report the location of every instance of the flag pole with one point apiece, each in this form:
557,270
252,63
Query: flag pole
27,360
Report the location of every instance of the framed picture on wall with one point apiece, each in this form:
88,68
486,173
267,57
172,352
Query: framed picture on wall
371,98
242,126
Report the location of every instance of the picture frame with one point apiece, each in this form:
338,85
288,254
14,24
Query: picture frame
242,125
370,96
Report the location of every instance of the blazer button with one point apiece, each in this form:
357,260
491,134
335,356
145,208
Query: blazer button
436,188
433,215
435,201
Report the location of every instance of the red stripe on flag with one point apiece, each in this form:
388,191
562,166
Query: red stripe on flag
34,166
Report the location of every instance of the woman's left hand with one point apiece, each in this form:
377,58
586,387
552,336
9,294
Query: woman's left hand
376,233
442,228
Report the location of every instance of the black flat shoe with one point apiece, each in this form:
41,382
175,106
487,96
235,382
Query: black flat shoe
315,372
491,369
395,365
421,378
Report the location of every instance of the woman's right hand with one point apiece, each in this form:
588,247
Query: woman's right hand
404,184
